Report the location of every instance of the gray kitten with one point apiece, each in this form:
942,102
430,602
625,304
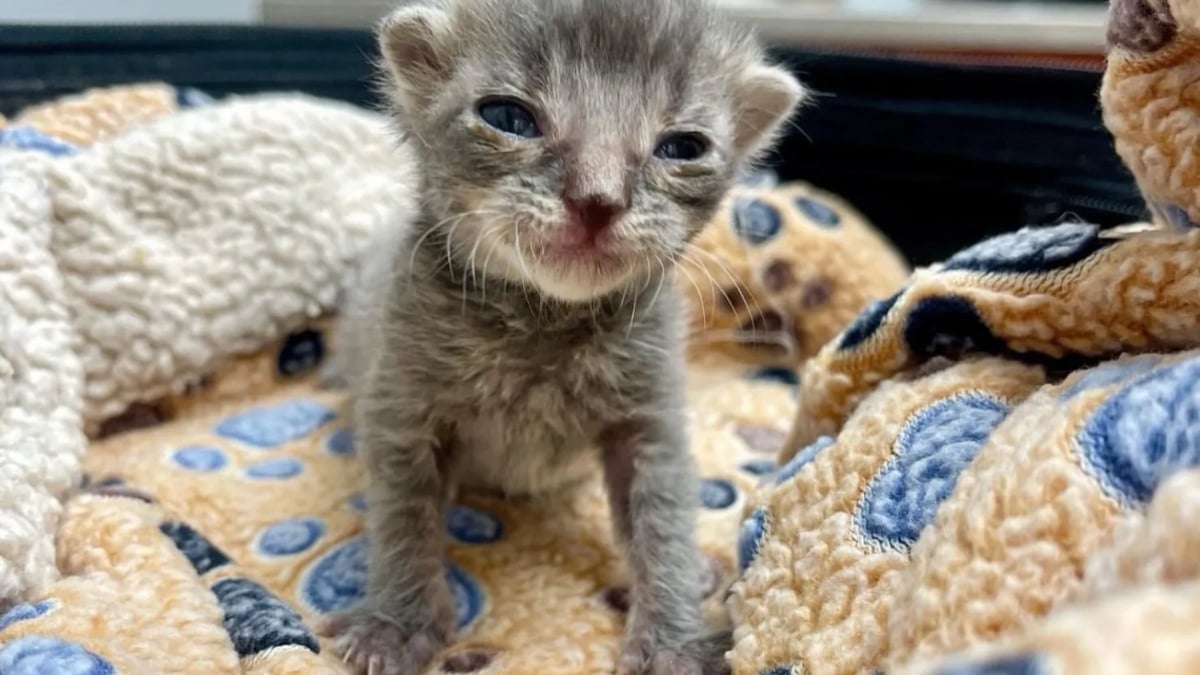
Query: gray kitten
523,331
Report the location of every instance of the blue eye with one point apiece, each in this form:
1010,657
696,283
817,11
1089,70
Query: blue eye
510,117
681,148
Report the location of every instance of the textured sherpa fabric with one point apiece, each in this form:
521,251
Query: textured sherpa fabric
197,255
41,438
129,270
1154,57
204,235
994,470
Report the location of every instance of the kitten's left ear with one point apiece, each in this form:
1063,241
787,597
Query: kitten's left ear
764,97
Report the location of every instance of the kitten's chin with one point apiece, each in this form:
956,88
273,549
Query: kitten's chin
569,275
579,285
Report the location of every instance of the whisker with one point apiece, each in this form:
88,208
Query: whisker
632,312
737,282
699,293
524,270
776,338
487,261
663,277
436,227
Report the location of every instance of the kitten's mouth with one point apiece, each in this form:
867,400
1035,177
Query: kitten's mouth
580,272
597,258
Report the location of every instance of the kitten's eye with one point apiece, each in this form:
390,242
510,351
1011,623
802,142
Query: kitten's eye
681,148
510,117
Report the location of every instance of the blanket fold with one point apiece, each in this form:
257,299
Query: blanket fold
989,470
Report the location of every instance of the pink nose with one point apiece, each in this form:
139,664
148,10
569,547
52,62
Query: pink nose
594,213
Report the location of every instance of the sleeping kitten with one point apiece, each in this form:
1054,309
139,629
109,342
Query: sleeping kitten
522,331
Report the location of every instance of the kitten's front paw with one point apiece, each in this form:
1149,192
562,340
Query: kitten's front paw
700,656
372,644
636,660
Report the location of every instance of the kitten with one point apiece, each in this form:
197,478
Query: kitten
522,332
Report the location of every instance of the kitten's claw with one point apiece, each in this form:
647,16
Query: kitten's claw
371,644
700,656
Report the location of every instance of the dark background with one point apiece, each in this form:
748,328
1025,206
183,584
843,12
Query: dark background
937,154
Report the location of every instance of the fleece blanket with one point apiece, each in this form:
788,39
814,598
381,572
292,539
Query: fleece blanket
178,494
984,466
995,468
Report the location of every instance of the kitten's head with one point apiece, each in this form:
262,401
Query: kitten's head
577,145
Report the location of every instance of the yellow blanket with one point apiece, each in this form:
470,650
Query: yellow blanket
222,514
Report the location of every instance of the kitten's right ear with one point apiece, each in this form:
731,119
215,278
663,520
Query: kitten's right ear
415,43
765,96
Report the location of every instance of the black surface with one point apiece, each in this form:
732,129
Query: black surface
937,155
941,156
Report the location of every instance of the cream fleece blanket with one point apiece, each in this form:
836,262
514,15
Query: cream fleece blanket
131,269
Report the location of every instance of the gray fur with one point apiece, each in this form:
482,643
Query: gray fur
479,359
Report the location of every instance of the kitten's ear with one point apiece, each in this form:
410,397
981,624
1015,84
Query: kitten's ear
765,97
415,43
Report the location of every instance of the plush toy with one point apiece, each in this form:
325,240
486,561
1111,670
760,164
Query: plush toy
782,270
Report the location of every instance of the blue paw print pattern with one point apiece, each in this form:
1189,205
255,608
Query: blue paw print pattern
867,322
1176,216
256,620
785,376
40,655
340,443
199,551
1031,249
272,426
26,612
1019,664
949,326
818,212
300,353
717,494
201,459
1110,373
473,526
802,459
337,581
935,445
1144,433
750,538
468,596
755,220
280,468
759,467
289,537
22,137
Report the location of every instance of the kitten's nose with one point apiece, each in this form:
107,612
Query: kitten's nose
595,213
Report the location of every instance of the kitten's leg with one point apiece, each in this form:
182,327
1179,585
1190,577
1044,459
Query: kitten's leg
653,494
407,616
